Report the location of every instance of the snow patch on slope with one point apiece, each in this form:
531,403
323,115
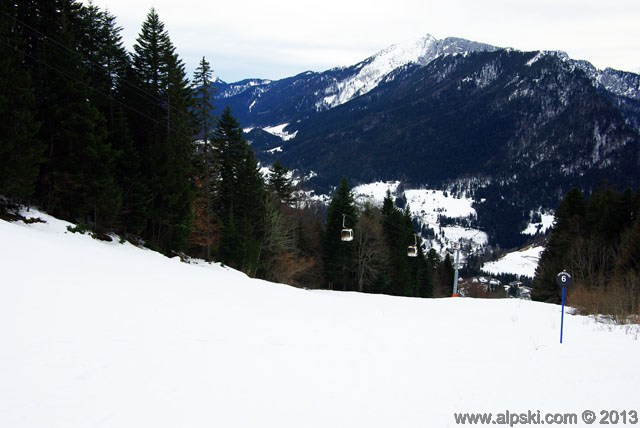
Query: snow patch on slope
279,131
374,193
546,223
237,88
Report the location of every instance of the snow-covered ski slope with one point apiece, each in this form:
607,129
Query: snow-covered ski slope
97,334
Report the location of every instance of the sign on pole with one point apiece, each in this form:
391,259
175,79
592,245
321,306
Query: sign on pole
564,280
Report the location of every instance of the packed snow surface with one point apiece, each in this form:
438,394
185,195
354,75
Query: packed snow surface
523,262
104,334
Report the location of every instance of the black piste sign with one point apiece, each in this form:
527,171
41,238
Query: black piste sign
563,279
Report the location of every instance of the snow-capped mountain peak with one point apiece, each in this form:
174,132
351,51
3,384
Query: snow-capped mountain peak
373,70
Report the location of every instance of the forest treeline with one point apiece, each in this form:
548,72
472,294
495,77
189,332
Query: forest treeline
596,239
125,142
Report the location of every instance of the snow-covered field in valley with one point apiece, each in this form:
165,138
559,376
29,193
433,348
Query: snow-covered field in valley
522,262
103,334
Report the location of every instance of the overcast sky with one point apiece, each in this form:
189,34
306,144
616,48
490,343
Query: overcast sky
280,38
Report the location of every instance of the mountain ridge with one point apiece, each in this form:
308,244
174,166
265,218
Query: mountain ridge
339,85
528,125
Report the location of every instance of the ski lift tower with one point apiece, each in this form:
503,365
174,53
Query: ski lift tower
456,246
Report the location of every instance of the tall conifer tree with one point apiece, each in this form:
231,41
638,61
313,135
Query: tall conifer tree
74,181
280,183
338,256
204,221
21,151
163,132
398,232
569,224
240,199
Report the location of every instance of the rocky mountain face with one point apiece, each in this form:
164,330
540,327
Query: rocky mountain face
523,126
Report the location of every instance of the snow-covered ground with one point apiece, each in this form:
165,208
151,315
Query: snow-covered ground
426,205
542,227
374,193
103,334
431,203
523,262
279,131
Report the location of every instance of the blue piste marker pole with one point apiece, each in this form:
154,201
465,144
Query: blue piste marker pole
564,295
564,280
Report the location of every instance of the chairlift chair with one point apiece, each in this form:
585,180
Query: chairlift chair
347,234
412,250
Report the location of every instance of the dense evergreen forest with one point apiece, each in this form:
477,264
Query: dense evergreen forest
597,240
124,142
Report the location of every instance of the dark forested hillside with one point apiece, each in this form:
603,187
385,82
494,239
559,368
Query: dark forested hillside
486,114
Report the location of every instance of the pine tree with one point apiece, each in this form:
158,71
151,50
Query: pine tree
444,274
338,256
398,231
135,209
252,194
280,183
163,132
569,225
75,181
105,56
240,198
205,226
229,151
203,92
423,275
109,67
628,259
604,215
21,151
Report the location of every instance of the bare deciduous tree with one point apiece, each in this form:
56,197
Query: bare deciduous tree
371,253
